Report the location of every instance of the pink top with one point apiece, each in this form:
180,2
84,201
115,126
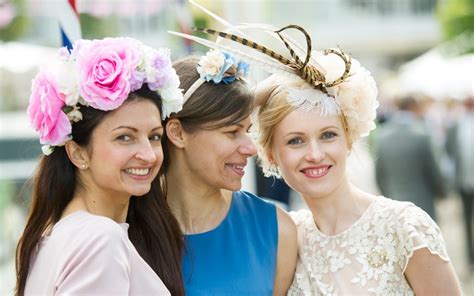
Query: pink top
86,254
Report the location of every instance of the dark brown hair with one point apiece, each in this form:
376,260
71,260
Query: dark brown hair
211,106
153,230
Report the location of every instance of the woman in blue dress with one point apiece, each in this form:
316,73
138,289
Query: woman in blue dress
235,242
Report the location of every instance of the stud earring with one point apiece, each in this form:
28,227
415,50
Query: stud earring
83,166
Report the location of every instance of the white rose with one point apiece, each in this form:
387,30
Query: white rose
172,101
211,63
173,80
333,65
144,54
67,78
357,98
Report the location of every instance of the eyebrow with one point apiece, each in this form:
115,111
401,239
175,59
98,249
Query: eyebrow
302,133
135,129
331,126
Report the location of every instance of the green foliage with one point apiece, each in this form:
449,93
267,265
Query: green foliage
98,28
457,18
18,25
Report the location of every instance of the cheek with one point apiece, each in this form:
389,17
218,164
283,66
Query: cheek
159,156
286,159
111,155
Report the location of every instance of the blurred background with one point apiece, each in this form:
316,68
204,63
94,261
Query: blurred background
420,52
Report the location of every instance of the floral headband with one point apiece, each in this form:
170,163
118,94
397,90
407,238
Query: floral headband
334,81
100,74
217,67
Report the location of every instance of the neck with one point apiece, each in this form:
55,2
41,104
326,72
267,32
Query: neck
338,210
197,206
95,201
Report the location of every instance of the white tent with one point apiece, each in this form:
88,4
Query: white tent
437,76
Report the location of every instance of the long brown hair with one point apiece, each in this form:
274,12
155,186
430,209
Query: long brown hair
153,229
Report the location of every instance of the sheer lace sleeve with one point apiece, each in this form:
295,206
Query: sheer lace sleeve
304,279
417,230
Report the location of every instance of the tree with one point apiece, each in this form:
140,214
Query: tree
457,22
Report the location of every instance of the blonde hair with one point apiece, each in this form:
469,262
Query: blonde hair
272,112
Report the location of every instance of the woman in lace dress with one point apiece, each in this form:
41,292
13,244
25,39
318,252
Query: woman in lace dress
350,242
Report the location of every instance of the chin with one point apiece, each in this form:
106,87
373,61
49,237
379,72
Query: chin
234,186
140,192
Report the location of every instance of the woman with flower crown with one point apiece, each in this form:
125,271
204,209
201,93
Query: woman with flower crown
350,242
235,243
99,223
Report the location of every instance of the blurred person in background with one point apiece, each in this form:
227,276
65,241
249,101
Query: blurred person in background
235,242
460,147
99,223
406,167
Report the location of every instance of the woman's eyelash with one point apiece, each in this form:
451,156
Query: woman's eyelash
156,137
328,135
124,137
295,141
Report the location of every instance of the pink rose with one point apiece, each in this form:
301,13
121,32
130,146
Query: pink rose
45,111
105,68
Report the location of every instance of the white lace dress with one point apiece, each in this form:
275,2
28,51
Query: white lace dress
370,257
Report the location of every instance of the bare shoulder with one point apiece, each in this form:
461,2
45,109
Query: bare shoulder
286,226
287,253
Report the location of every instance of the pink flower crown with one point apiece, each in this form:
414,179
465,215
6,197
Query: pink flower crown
100,74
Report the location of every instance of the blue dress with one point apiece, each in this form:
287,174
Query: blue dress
239,256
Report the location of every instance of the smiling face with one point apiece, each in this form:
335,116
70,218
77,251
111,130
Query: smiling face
217,157
125,152
310,151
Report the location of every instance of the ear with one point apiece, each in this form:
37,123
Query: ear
77,154
270,157
175,133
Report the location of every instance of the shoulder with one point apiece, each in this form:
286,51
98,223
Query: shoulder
286,226
389,208
251,200
405,212
301,217
415,229
85,230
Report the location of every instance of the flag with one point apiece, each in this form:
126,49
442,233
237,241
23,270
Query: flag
69,24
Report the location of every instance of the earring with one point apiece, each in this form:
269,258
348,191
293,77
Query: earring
83,166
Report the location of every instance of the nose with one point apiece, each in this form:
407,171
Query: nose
146,152
314,153
248,147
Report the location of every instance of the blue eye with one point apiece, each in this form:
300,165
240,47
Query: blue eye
328,135
295,141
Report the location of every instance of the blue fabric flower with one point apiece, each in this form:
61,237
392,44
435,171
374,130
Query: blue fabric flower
242,69
212,61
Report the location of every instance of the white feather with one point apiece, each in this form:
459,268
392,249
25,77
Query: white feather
299,50
308,99
244,50
218,19
267,64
